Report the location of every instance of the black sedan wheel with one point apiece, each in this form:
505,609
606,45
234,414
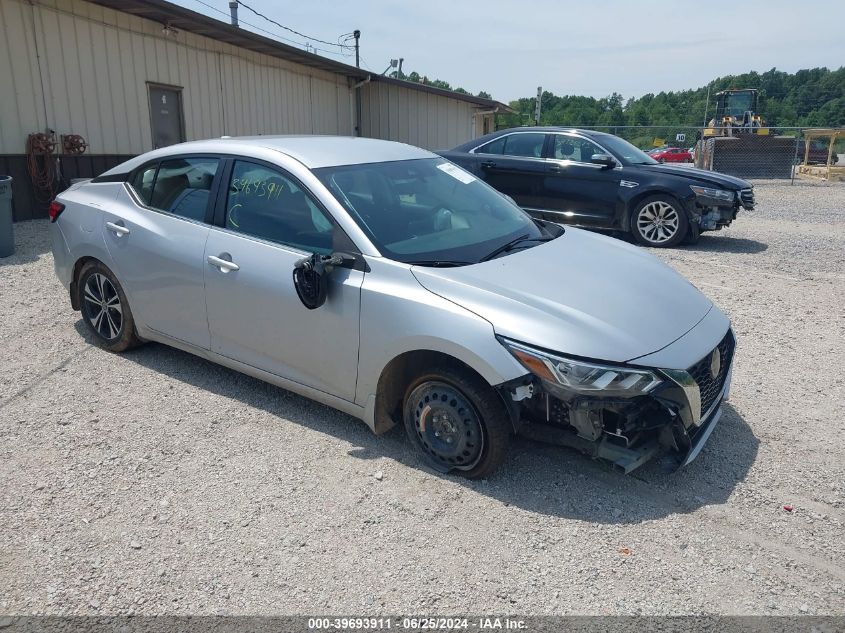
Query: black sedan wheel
659,221
457,421
105,309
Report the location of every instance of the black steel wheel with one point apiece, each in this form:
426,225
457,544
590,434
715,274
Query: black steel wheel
457,421
105,309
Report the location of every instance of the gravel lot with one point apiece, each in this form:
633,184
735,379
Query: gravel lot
155,482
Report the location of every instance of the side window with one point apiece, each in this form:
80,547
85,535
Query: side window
493,147
142,183
574,148
264,203
529,144
183,186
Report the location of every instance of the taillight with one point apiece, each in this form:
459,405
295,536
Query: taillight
54,210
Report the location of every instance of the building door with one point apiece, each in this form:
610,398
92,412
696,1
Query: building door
166,116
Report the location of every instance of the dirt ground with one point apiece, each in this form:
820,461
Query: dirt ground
158,483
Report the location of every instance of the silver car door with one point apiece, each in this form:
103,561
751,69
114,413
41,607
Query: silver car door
156,236
254,313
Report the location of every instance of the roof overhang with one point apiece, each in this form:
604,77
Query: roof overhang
182,19
487,104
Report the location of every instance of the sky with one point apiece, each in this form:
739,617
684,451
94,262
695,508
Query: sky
591,48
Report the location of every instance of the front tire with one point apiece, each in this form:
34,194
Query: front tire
105,309
659,221
457,421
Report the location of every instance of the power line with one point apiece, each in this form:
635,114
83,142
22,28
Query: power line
276,35
287,28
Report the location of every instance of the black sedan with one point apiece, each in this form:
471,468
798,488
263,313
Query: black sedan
597,180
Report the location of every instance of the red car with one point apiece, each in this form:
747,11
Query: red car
672,155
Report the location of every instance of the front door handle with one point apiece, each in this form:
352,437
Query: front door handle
487,164
224,265
117,229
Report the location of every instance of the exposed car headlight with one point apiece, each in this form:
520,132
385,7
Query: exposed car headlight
713,194
580,376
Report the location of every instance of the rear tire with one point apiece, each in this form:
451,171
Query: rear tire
457,421
105,309
659,221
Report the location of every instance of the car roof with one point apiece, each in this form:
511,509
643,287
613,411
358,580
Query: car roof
311,150
545,129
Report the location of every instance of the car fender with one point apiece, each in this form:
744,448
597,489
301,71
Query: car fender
399,316
632,196
80,229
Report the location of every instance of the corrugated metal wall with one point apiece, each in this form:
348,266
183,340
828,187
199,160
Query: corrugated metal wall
95,64
415,117
80,68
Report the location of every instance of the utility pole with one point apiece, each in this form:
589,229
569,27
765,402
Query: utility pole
357,35
399,73
537,109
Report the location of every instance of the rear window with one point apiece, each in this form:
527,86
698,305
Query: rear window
181,186
526,144
142,183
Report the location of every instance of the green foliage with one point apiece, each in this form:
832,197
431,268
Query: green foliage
813,97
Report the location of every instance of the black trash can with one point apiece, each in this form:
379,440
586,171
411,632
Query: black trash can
7,237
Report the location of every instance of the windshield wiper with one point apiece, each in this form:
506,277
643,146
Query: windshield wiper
439,263
504,248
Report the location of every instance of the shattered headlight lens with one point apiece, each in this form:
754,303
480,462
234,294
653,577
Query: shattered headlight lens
581,376
714,194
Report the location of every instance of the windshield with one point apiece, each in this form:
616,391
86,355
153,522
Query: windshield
738,103
627,152
427,210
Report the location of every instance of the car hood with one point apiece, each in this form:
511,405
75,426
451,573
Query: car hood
700,175
582,294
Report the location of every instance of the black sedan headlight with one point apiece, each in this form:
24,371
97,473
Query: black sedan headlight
582,377
711,196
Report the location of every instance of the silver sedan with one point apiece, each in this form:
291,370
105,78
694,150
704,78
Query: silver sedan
384,281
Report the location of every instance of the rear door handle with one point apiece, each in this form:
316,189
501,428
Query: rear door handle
487,164
117,229
223,264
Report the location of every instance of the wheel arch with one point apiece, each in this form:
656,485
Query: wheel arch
397,375
74,279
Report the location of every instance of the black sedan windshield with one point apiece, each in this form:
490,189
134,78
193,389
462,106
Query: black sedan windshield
428,211
627,152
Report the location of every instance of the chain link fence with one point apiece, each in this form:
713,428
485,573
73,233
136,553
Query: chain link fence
752,153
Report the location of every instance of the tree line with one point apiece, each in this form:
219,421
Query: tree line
808,98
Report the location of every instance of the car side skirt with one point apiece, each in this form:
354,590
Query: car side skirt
322,397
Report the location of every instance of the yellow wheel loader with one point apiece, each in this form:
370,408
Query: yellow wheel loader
737,140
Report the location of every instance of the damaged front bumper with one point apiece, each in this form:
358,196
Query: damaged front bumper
712,214
675,419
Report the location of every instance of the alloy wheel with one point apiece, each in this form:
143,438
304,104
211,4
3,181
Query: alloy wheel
447,425
102,306
658,222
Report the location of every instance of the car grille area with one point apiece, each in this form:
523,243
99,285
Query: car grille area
746,198
710,386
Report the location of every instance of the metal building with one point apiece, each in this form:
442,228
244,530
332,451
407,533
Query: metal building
104,80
